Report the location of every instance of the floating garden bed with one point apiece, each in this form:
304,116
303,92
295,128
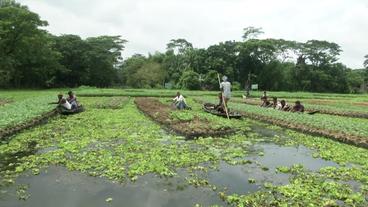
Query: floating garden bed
180,122
341,129
11,130
321,109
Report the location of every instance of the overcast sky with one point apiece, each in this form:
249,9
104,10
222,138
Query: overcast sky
149,25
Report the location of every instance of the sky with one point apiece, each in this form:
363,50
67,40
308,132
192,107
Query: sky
149,25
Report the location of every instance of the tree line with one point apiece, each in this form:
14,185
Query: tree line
31,57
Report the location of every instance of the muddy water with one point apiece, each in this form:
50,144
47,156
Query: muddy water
235,178
58,187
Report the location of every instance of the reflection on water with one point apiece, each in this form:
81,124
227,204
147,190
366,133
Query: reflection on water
235,178
60,188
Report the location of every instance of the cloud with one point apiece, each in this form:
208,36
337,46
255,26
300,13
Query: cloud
149,25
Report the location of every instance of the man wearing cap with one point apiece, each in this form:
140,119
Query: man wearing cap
225,86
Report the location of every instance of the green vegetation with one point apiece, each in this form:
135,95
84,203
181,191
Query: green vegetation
352,126
25,110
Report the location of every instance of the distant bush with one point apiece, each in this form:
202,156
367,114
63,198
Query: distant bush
189,80
235,86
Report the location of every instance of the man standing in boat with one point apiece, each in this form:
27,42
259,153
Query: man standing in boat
225,87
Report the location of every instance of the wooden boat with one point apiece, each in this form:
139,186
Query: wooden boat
64,111
210,108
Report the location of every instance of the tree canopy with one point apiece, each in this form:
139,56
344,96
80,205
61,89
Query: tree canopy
32,57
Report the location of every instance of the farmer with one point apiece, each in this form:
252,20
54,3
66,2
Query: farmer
298,107
65,104
275,104
265,102
62,102
264,94
220,106
225,87
284,106
179,101
72,99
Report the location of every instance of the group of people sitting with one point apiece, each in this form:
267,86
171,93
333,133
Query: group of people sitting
282,105
68,103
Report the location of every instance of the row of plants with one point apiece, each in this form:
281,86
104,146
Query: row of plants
111,103
343,110
190,123
25,110
346,129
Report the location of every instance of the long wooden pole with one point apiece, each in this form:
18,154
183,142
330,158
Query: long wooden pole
223,98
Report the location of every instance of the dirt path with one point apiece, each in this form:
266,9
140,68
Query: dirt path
4,101
196,127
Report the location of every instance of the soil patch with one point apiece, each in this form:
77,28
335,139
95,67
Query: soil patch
320,102
196,127
11,130
4,101
361,104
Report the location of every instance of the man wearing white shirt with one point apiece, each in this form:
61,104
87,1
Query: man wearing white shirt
64,103
225,86
179,101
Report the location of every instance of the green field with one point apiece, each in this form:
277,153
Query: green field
115,154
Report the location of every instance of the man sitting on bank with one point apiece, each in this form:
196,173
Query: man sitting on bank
283,106
179,101
298,107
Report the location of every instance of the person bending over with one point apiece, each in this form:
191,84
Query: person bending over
265,102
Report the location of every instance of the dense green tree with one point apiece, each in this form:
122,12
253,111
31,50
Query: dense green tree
103,59
189,80
210,81
31,57
74,56
251,32
129,68
321,52
26,57
149,75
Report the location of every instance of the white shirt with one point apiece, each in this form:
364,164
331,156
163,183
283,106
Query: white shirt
179,98
226,86
278,106
67,105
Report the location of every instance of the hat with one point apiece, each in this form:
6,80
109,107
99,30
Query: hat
224,78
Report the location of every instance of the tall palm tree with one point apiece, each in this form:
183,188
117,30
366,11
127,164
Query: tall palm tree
366,61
